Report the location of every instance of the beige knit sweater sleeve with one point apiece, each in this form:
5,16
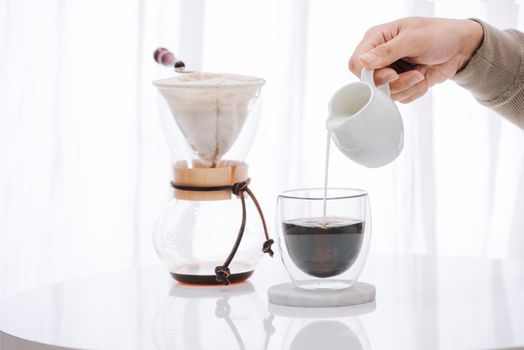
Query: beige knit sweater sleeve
495,73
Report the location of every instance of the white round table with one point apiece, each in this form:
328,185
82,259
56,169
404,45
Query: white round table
423,302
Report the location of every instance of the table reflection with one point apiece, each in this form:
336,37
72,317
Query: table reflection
323,328
212,317
326,334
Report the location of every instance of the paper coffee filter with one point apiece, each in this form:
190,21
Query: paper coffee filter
210,109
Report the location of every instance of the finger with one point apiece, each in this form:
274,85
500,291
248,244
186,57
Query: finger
405,81
354,65
438,74
384,76
412,93
413,97
387,53
373,38
381,76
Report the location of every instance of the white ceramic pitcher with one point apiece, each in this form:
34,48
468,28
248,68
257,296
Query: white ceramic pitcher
365,123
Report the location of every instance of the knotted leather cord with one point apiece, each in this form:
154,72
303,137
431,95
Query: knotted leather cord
222,272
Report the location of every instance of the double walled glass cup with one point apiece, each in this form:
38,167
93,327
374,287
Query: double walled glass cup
324,239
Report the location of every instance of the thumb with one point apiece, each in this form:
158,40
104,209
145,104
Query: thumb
385,54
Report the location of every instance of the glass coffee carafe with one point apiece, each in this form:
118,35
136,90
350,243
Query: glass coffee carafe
210,232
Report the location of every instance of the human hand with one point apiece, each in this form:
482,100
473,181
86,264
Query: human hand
413,54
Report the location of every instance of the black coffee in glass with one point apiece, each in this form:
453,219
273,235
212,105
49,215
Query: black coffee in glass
323,247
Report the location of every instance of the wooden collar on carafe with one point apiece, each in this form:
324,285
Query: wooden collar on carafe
228,173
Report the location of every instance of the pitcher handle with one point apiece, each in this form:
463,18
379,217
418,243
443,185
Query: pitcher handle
366,75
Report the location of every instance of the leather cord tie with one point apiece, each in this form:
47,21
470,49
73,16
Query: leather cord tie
266,247
238,189
223,274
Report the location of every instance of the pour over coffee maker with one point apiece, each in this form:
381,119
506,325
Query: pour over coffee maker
210,233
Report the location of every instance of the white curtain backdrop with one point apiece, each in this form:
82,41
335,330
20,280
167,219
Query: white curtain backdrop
85,170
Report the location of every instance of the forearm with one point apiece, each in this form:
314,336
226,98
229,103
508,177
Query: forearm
495,73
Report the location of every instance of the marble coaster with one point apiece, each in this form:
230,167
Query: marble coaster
289,295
